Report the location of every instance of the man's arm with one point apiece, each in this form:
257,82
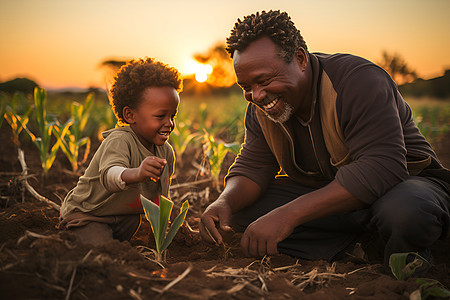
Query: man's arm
239,193
262,236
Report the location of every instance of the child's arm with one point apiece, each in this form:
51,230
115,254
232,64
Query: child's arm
150,168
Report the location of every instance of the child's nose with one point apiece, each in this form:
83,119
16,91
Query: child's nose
170,122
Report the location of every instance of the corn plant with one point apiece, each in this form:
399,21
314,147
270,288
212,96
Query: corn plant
403,270
180,138
105,118
44,126
71,134
431,288
159,217
17,115
216,152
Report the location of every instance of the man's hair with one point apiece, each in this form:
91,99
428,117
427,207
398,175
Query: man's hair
274,24
137,75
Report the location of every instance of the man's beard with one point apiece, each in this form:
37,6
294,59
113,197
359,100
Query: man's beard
287,113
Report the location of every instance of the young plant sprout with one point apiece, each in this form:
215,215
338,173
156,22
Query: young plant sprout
159,217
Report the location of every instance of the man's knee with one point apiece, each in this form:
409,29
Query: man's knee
410,208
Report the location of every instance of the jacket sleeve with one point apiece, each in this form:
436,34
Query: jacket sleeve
368,113
255,160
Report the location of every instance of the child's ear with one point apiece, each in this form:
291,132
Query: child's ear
128,115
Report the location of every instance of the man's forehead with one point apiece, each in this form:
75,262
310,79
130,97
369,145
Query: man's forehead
262,48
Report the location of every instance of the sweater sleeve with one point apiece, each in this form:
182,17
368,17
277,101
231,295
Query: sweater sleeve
255,160
113,152
370,121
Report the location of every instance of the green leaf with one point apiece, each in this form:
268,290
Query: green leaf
176,225
400,269
152,214
165,208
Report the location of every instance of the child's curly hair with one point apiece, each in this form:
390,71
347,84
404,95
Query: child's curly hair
137,75
274,24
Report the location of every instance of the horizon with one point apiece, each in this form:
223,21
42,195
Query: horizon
61,44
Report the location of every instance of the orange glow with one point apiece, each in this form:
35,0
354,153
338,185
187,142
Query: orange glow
48,43
160,273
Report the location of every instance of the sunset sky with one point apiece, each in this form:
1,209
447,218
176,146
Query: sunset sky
61,43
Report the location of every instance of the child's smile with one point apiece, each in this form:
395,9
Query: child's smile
153,119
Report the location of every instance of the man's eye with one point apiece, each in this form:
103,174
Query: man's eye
264,82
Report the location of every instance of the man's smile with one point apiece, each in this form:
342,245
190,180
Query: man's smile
271,104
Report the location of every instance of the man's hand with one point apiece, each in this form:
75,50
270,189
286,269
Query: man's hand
218,212
150,169
262,236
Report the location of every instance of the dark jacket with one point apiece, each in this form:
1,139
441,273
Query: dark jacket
361,133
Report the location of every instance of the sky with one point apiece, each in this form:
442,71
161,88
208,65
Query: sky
61,43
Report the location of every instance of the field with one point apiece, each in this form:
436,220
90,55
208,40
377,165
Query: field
38,261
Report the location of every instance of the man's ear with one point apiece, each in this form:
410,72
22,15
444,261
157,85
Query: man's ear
302,58
128,115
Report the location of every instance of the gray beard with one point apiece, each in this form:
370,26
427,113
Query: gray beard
288,111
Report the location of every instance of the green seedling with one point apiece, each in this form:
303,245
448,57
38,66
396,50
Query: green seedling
402,270
17,115
432,288
216,152
73,139
45,128
159,217
180,138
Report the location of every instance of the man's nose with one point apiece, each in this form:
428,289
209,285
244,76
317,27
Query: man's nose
258,94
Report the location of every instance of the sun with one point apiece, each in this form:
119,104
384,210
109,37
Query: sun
202,71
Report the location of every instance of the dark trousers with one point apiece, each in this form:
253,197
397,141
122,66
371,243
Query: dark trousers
410,218
97,233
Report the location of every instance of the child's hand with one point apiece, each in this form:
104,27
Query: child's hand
150,169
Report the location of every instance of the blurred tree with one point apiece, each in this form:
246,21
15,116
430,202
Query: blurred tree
23,85
113,64
111,68
222,74
396,66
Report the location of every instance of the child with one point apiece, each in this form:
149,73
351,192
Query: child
132,160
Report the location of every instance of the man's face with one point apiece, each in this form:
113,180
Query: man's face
275,86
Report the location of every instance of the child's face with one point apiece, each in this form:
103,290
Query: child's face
154,116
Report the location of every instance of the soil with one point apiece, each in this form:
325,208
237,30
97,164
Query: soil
38,261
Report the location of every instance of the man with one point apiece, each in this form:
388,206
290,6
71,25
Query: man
331,152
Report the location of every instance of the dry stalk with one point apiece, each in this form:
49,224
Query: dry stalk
37,235
28,186
185,184
135,295
255,275
140,276
72,278
10,265
254,280
316,278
